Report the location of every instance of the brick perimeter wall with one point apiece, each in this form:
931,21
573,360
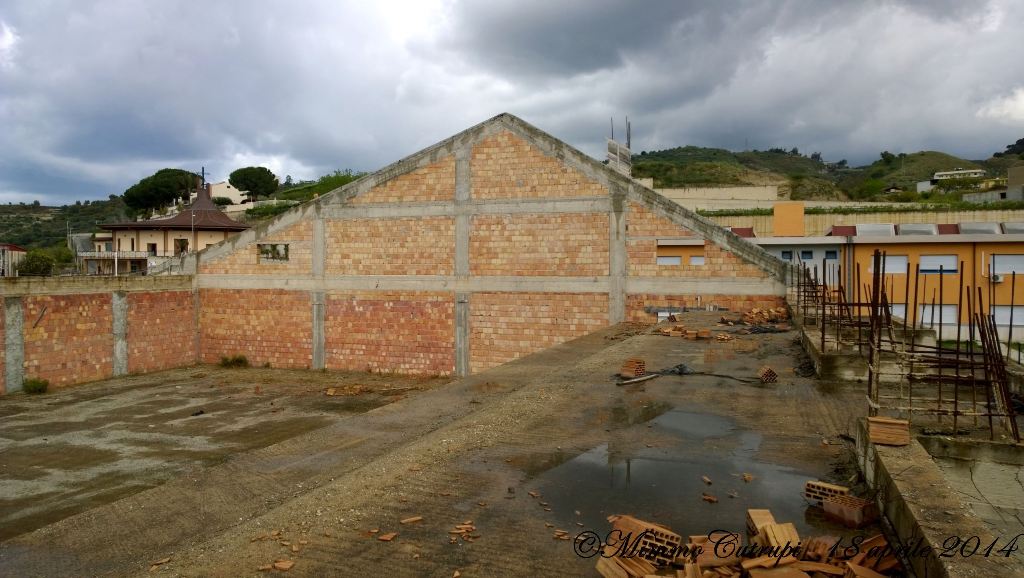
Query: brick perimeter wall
68,338
637,306
161,330
403,246
539,244
3,350
266,325
408,332
507,326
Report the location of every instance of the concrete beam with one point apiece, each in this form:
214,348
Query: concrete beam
119,313
87,285
319,339
14,344
451,283
466,206
500,284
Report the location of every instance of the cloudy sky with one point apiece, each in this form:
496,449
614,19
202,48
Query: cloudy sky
95,95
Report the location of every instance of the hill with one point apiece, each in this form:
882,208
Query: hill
796,175
37,226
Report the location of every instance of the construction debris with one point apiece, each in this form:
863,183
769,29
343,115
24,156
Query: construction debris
387,537
672,331
888,431
760,316
850,511
817,492
657,544
773,550
724,337
411,520
633,367
767,375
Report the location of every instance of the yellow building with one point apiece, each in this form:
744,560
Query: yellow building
134,246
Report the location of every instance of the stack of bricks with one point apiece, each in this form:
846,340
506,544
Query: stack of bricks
779,535
817,492
673,330
657,544
767,375
633,367
633,557
850,511
756,520
888,431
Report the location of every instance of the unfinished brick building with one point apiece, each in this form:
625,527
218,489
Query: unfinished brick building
490,245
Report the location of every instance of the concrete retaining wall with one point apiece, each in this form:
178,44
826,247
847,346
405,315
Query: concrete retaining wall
920,507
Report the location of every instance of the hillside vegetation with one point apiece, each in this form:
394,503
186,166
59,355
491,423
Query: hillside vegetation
803,177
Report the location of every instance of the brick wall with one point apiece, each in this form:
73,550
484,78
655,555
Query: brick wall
643,308
404,246
507,326
266,325
68,338
3,352
435,182
718,263
641,222
539,244
161,330
408,332
505,166
245,260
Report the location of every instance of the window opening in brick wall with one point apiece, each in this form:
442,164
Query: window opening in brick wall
670,260
273,252
696,259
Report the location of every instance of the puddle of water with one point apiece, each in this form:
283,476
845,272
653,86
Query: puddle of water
661,485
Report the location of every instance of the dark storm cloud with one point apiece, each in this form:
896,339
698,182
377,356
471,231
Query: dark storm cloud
94,96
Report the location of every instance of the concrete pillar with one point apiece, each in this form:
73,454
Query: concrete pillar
462,334
319,246
119,313
463,220
319,340
14,343
463,224
617,259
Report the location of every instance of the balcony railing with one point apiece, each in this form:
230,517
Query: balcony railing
115,254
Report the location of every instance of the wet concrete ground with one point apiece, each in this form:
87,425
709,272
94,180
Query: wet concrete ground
554,424
993,491
79,448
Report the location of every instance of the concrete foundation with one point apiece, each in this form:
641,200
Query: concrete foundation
923,509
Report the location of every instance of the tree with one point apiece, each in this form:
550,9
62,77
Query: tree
222,201
816,156
160,189
255,181
888,157
288,180
36,263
